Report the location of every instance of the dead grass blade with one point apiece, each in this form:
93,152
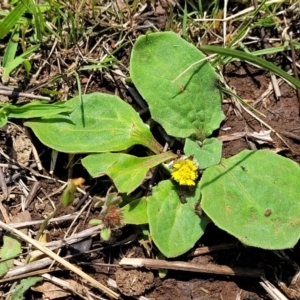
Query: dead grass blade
191,267
60,260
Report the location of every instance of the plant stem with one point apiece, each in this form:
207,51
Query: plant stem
46,221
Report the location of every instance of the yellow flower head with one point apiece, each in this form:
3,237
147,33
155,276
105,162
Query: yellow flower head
185,171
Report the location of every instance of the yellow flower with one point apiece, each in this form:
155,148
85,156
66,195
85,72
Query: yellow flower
185,171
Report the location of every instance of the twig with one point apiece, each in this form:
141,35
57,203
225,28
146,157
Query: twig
29,274
57,191
3,211
275,87
76,237
46,221
35,187
45,61
3,185
60,260
205,250
15,93
273,292
27,268
10,166
225,22
34,151
9,88
37,222
268,92
184,266
290,135
66,285
43,272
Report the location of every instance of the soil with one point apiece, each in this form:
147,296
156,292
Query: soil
281,114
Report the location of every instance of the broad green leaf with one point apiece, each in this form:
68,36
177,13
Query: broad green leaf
178,83
36,109
174,226
11,19
23,286
207,153
126,171
103,123
135,212
11,247
254,196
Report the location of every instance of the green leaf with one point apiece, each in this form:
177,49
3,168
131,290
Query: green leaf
11,48
38,20
23,286
36,109
273,50
11,19
254,196
27,66
105,234
68,195
95,222
103,123
126,171
135,212
180,90
11,247
174,227
207,153
3,118
253,59
13,64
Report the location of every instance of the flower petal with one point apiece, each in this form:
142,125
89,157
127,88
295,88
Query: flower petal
185,171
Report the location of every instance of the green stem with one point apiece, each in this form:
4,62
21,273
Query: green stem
44,225
46,221
155,146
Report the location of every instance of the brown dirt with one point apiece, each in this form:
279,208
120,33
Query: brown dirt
282,114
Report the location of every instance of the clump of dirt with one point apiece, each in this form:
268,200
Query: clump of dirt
134,282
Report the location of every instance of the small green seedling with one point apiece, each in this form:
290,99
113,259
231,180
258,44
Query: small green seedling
252,195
